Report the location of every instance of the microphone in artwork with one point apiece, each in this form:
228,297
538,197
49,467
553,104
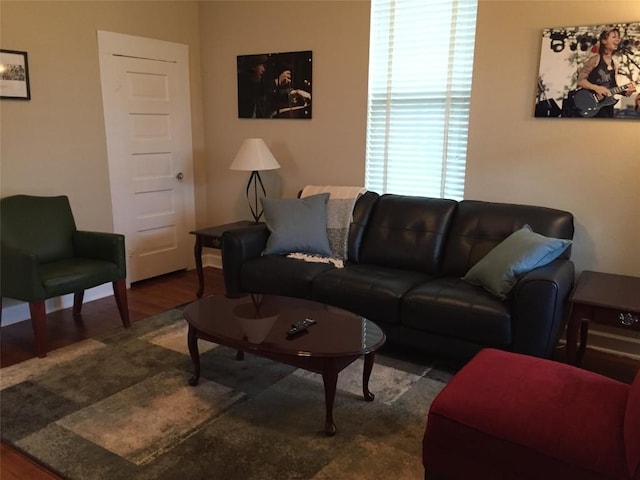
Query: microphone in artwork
628,45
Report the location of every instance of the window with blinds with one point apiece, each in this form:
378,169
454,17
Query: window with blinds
420,68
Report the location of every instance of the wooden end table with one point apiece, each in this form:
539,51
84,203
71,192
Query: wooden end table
211,237
603,298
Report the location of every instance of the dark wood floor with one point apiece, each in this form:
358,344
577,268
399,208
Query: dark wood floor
149,298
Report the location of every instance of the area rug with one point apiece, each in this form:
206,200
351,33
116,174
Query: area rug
120,407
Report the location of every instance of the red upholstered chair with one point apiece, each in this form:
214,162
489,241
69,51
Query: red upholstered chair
510,416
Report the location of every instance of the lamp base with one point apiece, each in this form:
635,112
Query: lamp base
256,209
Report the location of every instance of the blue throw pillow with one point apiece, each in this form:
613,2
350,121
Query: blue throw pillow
297,225
519,253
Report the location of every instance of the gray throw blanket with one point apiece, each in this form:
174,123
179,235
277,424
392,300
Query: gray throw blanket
339,216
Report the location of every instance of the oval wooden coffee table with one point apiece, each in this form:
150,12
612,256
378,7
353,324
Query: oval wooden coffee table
259,325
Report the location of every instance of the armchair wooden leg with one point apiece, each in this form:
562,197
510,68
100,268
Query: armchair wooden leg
39,323
120,292
78,297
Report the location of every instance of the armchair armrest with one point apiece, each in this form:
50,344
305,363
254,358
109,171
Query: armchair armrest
101,246
540,306
238,246
20,275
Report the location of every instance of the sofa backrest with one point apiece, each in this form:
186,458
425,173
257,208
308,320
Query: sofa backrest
479,226
632,429
407,232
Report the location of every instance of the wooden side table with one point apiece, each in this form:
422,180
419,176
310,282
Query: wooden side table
211,237
601,298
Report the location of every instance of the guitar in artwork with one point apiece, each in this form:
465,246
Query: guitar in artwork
587,103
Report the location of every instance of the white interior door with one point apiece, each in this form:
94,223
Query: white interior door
146,99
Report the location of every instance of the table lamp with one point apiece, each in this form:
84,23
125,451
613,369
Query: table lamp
254,156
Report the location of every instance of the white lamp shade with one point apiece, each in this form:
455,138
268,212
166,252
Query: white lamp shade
254,155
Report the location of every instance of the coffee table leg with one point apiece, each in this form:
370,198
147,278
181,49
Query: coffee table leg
366,374
192,342
330,380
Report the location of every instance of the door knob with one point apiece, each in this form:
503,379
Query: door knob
180,176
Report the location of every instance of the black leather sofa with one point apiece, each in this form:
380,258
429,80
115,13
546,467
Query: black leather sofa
406,257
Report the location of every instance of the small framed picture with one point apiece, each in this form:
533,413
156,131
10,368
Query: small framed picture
14,75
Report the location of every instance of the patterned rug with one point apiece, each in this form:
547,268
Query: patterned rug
119,407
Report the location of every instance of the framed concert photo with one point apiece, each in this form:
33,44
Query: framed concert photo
590,72
14,75
275,85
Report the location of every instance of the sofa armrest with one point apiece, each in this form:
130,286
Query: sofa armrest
105,246
238,246
540,306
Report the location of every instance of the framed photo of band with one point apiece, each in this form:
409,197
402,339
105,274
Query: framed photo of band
275,85
590,72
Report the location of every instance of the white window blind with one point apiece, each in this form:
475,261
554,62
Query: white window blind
420,68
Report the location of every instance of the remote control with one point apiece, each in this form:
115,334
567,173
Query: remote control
300,326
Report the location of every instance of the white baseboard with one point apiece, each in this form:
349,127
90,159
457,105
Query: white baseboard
14,311
613,341
616,342
212,260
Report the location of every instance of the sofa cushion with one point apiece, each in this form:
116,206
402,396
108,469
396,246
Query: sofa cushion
297,225
279,275
452,307
519,253
506,415
368,290
408,233
479,226
75,274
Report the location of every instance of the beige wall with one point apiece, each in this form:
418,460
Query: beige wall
55,143
590,167
329,148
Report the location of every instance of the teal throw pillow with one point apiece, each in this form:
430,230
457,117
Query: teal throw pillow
519,253
297,225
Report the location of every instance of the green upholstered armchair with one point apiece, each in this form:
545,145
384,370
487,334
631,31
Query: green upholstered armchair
45,256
